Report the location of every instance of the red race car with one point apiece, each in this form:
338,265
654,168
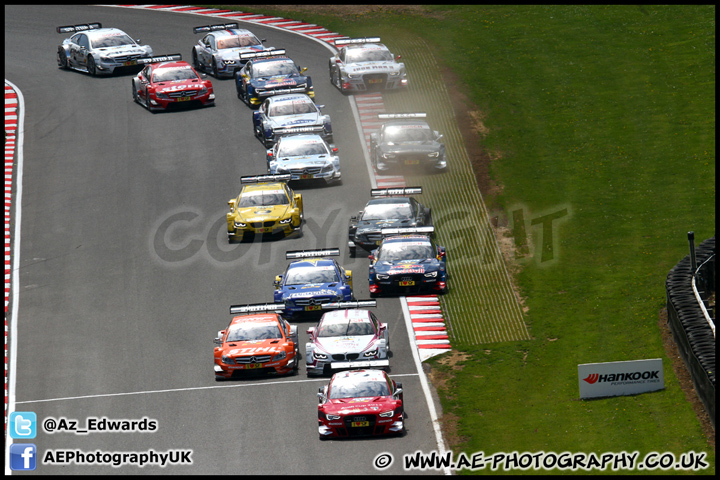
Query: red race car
360,403
256,343
167,81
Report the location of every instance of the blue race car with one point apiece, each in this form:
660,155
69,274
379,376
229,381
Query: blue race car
270,73
312,281
407,264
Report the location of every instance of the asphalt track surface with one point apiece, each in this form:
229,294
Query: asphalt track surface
126,274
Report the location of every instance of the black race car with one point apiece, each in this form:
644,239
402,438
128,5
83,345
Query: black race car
406,139
389,208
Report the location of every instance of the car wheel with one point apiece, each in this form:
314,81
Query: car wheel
336,80
428,217
62,58
219,379
214,68
134,92
92,70
195,61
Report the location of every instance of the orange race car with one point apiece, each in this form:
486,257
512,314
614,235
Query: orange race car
260,342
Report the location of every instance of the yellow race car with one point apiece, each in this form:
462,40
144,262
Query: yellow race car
266,206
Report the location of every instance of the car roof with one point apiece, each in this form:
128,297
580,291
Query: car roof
173,64
366,46
303,138
255,187
233,32
312,262
256,318
100,32
343,316
387,200
361,374
290,97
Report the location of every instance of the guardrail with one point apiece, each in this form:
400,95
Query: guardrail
694,333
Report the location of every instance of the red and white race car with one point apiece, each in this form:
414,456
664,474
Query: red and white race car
167,81
360,403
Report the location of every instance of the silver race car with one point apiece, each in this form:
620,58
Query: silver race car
348,338
289,114
305,157
365,64
218,52
406,139
99,51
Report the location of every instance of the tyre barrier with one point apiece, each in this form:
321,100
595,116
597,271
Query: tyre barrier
692,332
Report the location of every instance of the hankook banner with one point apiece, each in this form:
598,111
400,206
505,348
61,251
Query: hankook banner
620,378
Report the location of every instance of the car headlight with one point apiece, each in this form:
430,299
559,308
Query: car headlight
394,74
161,95
107,59
287,220
279,356
327,168
371,353
380,276
320,356
434,154
229,62
332,417
228,360
387,414
203,90
431,274
388,155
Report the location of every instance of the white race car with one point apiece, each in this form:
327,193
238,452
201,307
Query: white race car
365,64
349,338
99,51
289,114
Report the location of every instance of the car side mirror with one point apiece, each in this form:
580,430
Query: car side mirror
218,339
231,202
278,280
348,274
398,58
397,393
371,257
302,70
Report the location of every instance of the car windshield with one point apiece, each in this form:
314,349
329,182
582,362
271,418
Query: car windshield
238,41
385,211
406,133
305,275
398,251
253,331
261,198
357,55
353,387
292,108
270,69
298,149
172,74
115,40
345,328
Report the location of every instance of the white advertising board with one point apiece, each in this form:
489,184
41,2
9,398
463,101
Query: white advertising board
620,378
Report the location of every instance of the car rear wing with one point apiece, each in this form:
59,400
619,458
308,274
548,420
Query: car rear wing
264,54
257,308
407,230
386,192
355,304
212,28
175,57
388,116
325,252
79,28
284,177
347,41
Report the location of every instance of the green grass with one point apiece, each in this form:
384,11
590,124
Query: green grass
608,111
